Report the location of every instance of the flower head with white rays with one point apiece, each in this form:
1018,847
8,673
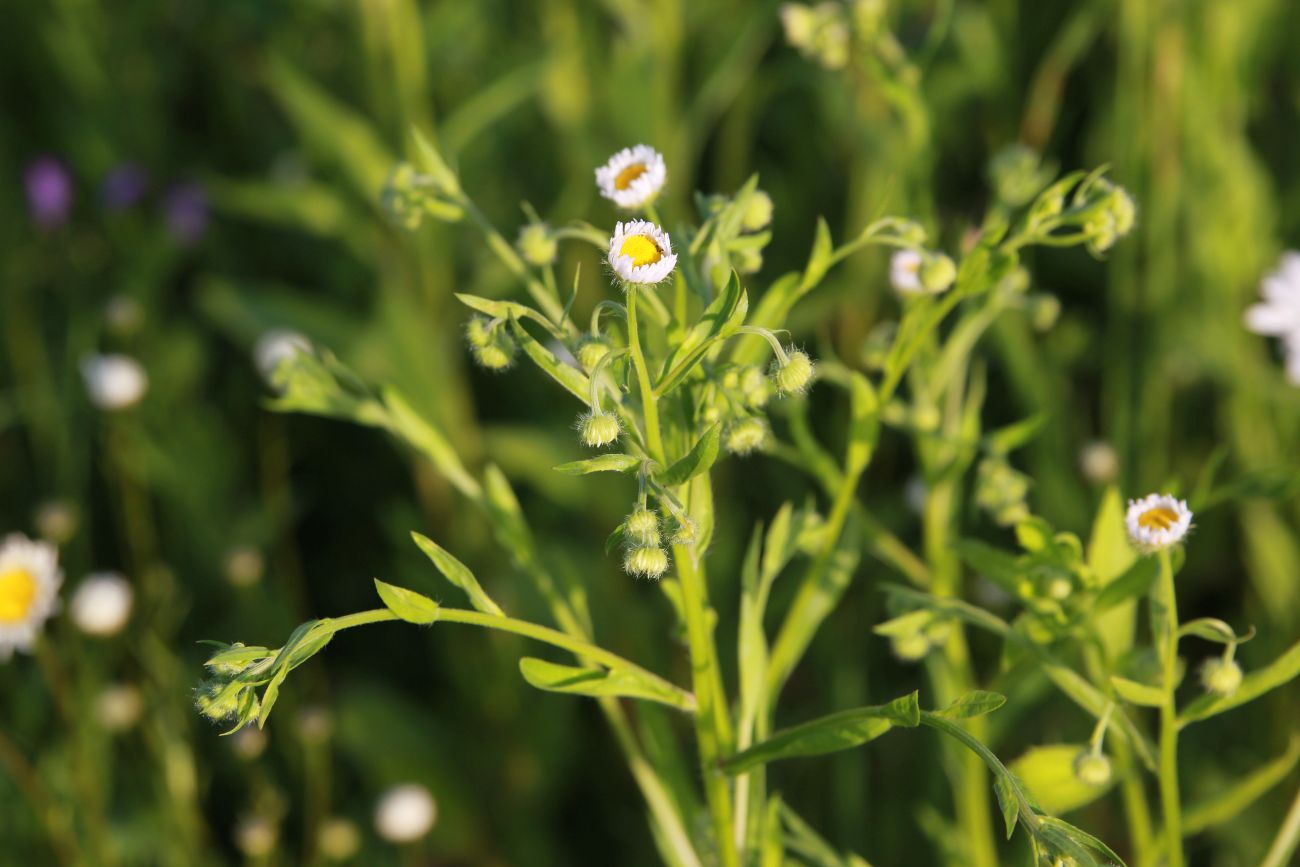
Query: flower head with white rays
641,252
29,591
114,382
905,272
1279,313
1157,521
101,604
632,177
405,813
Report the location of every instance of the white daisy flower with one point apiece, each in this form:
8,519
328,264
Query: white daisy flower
29,591
632,177
1279,313
405,813
641,252
101,604
1157,521
905,272
114,382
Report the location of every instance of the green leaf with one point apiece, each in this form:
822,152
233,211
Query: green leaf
457,573
1007,439
1213,629
1137,693
696,461
571,378
1008,803
1229,801
499,309
719,320
595,682
1122,576
1001,567
603,463
820,258
1048,773
1253,685
839,731
1133,584
864,424
975,703
407,604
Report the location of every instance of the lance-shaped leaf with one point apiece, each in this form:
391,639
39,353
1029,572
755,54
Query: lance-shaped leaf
975,703
407,604
1282,670
1137,693
1213,629
619,682
569,377
839,731
600,464
720,320
457,573
696,461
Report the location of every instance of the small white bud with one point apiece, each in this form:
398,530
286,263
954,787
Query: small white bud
101,604
405,813
118,707
114,382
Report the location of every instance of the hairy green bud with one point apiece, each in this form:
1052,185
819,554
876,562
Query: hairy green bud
597,429
745,435
646,562
537,244
937,272
591,351
758,212
642,526
1221,676
1092,769
795,375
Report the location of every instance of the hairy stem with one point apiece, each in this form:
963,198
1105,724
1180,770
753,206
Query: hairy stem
1164,622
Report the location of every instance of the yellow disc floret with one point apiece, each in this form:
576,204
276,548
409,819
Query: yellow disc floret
628,175
17,592
1159,518
641,250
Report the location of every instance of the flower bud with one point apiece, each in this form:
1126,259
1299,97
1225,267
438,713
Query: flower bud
597,429
746,435
646,562
402,200
1043,311
102,604
756,387
219,700
1221,676
1098,462
537,244
758,212
868,18
937,272
591,351
926,418
794,376
493,349
747,260
1092,769
642,527
685,532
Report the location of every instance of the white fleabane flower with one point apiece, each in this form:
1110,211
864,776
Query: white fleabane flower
29,591
114,382
632,177
1157,521
1279,313
641,252
101,604
275,346
405,813
905,272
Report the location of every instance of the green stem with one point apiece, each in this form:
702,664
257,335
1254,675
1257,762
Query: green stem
712,725
684,700
649,406
1288,837
1164,621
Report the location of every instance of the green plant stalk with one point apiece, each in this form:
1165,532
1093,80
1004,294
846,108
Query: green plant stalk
1287,839
1164,621
971,787
649,406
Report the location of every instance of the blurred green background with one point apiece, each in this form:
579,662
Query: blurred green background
224,162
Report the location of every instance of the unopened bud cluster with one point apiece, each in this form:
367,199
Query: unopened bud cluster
409,196
491,344
644,556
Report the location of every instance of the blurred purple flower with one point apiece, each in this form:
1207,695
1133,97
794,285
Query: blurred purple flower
186,207
124,186
49,192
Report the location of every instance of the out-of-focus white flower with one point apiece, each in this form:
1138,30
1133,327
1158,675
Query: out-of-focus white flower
1098,462
339,838
101,604
256,836
56,520
274,346
905,272
641,252
118,707
29,591
244,566
405,813
1157,521
114,382
632,177
1279,313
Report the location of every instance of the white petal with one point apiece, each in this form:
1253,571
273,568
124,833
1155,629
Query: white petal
1272,319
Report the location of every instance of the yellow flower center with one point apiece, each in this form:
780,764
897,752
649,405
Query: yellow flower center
17,590
628,175
1159,518
641,250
